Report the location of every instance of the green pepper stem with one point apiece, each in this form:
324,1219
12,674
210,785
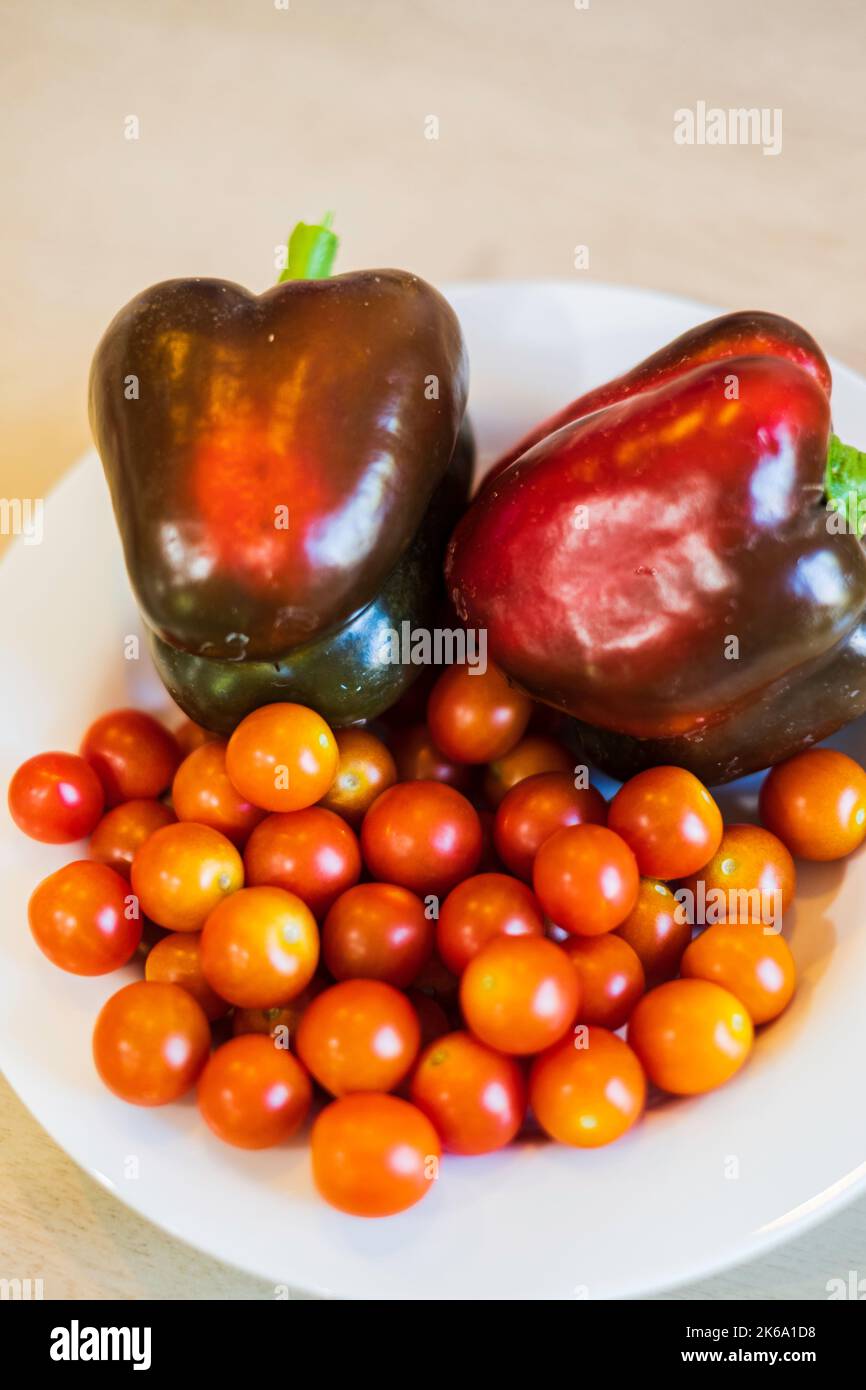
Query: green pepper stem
845,483
312,249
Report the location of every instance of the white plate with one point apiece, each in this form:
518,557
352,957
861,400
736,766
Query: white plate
543,1221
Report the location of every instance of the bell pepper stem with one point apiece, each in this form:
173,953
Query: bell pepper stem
845,483
312,249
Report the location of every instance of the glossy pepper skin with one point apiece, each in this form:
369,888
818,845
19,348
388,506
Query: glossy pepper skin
663,570
271,457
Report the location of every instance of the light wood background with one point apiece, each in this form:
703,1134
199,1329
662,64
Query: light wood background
555,130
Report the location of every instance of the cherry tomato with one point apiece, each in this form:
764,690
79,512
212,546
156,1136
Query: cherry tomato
359,1035
123,830
586,879
365,769
670,821
56,798
816,804
532,755
176,960
377,931
419,760
436,980
431,1016
374,1154
190,736
481,908
537,807
519,994
202,792
690,1035
133,756
475,716
587,1095
280,1023
750,878
475,1098
313,853
182,871
658,930
422,835
253,1094
756,966
260,948
611,978
282,757
82,918
150,1043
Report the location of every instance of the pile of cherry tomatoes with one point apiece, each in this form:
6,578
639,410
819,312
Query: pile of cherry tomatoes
438,925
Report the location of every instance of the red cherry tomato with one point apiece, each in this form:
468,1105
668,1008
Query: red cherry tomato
282,757
586,879
260,948
279,1023
816,804
190,736
313,853
658,930
534,754
690,1035
475,716
669,820
84,919
519,994
419,760
133,756
374,1154
377,931
366,769
150,1043
475,1098
202,792
422,835
360,1035
253,1094
590,1094
431,1016
176,960
756,966
481,908
611,978
123,830
56,798
181,872
534,809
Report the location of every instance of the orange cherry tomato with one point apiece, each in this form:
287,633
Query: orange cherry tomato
658,930
150,1043
587,1095
419,760
176,960
475,1098
282,757
756,966
123,830
56,798
537,807
181,872
481,908
611,978
377,931
83,919
670,821
422,835
133,756
816,804
586,879
280,1023
202,792
313,853
260,948
533,754
359,1035
690,1035
750,878
190,736
374,1154
519,994
475,716
253,1094
365,769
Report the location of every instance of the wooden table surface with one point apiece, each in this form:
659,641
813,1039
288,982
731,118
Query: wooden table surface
556,125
